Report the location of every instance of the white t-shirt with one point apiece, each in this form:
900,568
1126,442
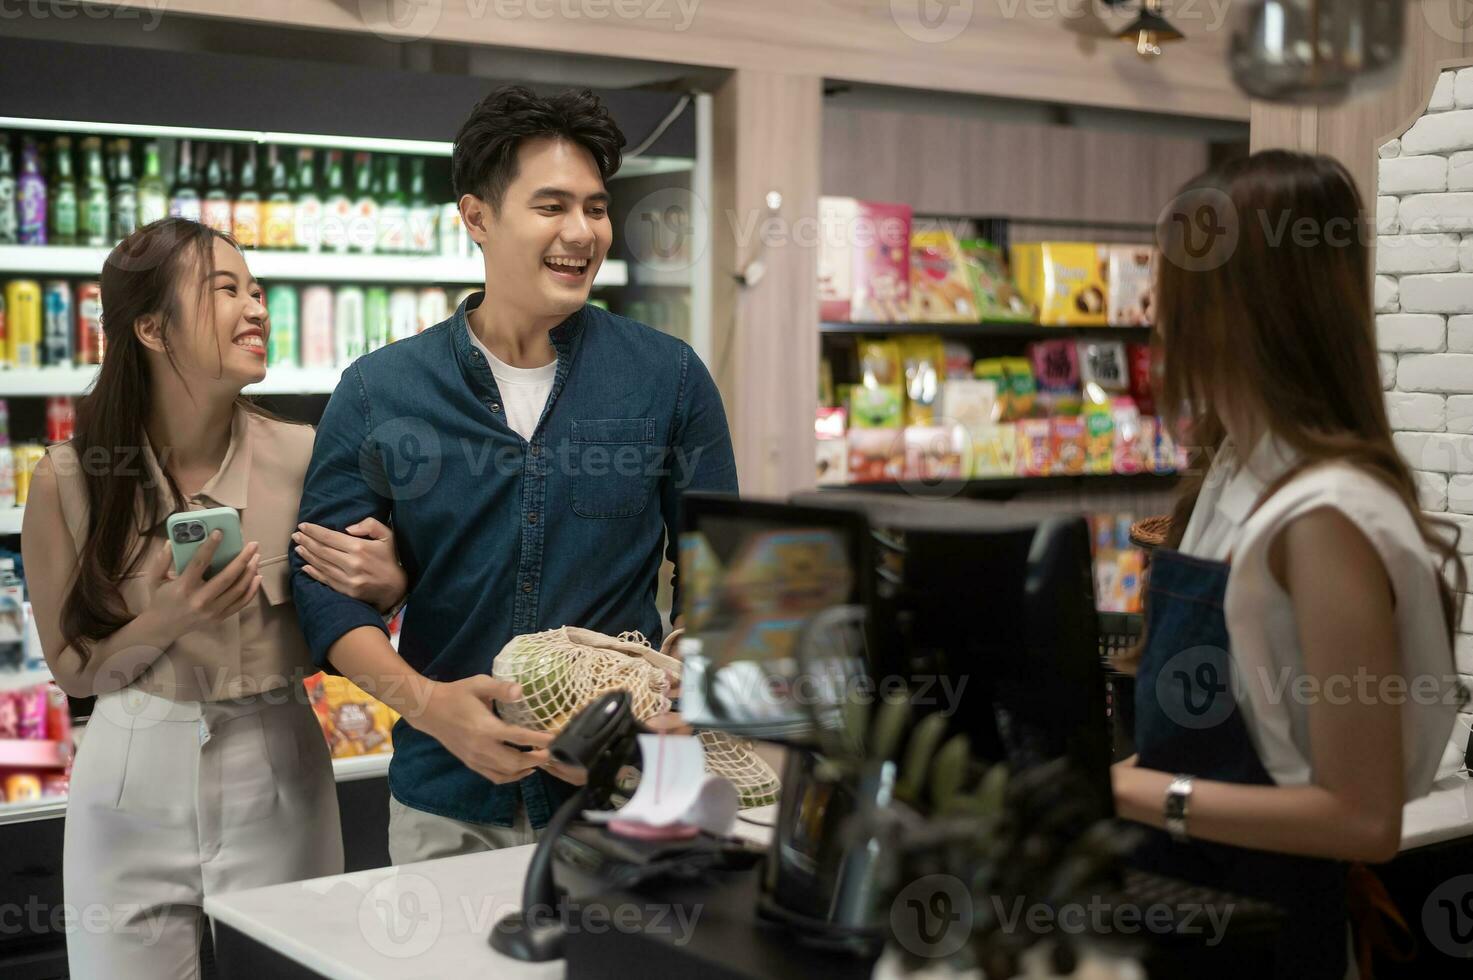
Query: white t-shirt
524,391
1260,616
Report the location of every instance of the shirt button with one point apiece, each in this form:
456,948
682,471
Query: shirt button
476,354
532,518
526,586
496,406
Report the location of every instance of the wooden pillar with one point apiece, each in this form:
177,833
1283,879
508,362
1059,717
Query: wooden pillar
764,333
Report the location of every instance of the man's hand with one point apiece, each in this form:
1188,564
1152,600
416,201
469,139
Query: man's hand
460,715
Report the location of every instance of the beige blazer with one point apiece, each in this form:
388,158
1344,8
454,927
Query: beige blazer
261,648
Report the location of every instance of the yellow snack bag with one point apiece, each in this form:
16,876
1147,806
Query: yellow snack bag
353,721
924,363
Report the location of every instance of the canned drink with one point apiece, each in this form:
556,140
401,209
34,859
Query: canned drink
27,456
57,346
61,419
89,323
349,326
281,345
434,306
375,317
23,306
403,314
317,316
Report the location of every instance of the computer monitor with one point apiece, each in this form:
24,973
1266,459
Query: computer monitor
980,611
761,581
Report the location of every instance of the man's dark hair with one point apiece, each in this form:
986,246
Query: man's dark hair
485,158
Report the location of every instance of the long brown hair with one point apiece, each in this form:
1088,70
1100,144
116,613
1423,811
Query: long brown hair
147,274
1263,300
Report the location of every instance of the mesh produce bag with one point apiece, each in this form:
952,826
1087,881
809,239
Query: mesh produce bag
562,671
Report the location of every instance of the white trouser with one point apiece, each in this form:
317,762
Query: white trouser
172,801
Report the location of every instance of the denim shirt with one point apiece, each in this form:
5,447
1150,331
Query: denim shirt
499,536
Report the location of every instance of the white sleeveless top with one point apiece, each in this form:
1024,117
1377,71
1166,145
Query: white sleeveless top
1260,616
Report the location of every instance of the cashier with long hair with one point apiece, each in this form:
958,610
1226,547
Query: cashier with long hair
1301,587
202,769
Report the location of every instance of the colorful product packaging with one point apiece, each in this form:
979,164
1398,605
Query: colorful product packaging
940,290
1128,457
1056,373
353,721
922,360
864,261
995,452
831,448
1070,446
1139,360
1163,459
1103,370
1131,283
971,404
991,369
934,452
958,358
876,455
1065,281
996,296
877,402
1022,387
1099,439
1035,447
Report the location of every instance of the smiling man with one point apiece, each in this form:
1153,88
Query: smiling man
530,453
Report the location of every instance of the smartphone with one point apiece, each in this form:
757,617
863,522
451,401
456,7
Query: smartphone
188,529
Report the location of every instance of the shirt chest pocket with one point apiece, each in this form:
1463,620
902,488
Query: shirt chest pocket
614,466
275,579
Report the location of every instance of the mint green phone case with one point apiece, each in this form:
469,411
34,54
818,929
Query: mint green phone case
188,529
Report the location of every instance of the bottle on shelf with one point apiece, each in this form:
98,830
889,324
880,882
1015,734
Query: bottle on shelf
61,419
61,194
31,196
337,209
23,323
393,210
245,210
317,327
349,328
216,208
363,232
9,224
279,218
7,459
124,211
308,204
421,210
452,235
60,322
153,195
185,201
375,317
281,343
92,216
403,313
89,323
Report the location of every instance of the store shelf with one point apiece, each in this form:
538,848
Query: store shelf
31,753
13,680
361,767
80,260
989,328
1001,488
43,809
15,383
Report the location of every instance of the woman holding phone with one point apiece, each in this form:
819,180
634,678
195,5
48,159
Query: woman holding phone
202,769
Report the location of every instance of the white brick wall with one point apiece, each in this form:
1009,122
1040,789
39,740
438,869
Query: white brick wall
1424,305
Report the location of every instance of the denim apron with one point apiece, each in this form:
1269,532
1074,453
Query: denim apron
1187,722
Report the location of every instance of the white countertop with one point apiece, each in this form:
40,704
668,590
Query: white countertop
423,921
1441,815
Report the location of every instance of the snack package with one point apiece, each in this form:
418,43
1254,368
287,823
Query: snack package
58,714
1131,283
882,263
22,787
1056,372
878,401
1069,445
832,447
1102,370
958,358
922,360
996,296
353,721
940,290
1138,357
55,784
1107,582
837,217
1035,447
1022,388
826,382
1128,458
934,452
876,455
1163,459
1099,444
1065,281
1128,584
992,369
971,404
31,708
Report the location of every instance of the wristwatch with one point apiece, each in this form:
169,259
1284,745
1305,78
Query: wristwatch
1178,798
